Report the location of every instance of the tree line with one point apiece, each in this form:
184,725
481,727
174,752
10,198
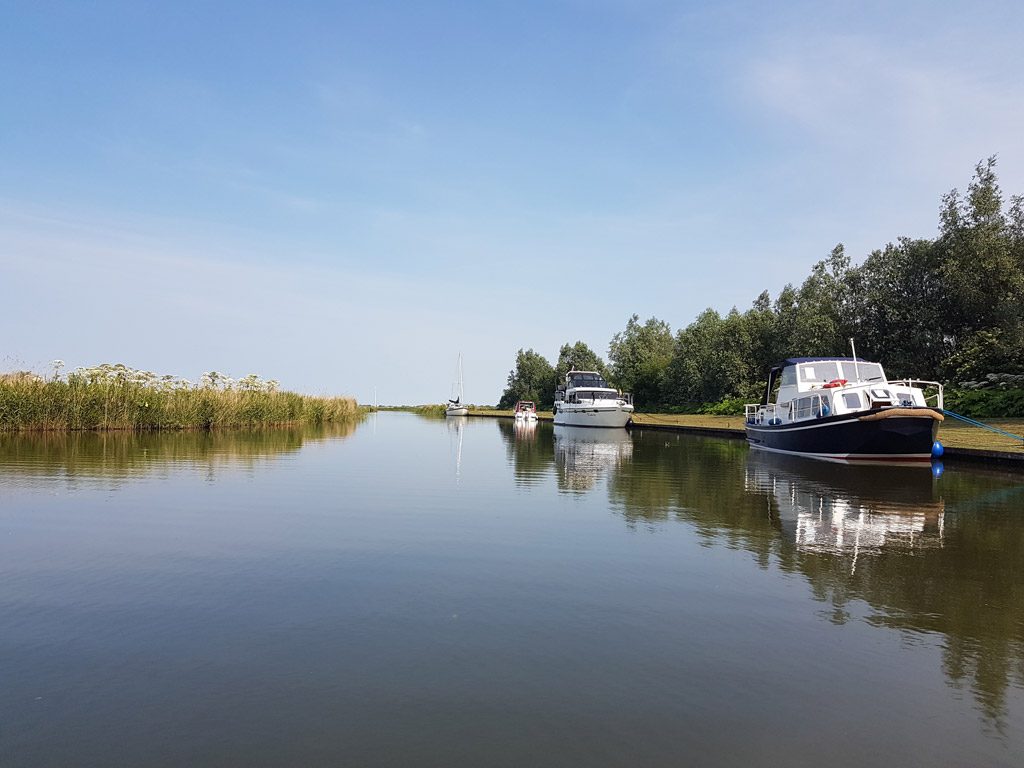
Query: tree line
949,308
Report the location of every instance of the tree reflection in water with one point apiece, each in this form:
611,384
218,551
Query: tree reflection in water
942,557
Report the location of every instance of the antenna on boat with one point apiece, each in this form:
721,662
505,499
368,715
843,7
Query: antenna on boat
856,368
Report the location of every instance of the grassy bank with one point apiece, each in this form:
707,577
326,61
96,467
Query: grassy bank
952,433
506,413
703,421
118,397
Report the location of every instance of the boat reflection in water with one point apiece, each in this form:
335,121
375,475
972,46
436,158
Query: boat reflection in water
897,548
584,454
940,561
456,426
525,429
528,445
848,508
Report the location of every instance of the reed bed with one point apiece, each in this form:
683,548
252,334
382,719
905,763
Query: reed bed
111,397
422,410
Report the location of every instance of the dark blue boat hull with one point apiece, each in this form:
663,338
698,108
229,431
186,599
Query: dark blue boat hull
851,437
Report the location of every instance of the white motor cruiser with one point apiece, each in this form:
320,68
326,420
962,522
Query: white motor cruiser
586,400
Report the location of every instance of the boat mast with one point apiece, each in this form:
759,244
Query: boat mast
462,395
856,368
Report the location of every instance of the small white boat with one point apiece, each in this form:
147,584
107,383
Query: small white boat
455,406
525,410
586,400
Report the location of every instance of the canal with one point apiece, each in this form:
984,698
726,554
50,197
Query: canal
473,592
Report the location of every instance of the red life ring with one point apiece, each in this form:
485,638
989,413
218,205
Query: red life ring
835,383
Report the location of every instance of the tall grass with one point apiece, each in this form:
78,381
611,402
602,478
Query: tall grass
118,397
422,410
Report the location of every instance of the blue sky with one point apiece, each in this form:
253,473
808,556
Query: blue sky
343,196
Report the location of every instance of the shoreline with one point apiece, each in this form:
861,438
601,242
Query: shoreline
961,443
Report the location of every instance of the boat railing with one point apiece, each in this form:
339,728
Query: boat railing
922,384
812,406
761,413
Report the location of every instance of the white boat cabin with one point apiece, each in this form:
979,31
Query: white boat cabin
589,387
813,388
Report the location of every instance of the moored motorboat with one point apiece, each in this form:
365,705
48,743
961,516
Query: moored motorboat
586,400
844,409
525,410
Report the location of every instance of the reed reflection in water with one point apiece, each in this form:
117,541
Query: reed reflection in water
83,457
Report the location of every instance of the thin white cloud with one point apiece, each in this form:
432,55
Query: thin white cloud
864,97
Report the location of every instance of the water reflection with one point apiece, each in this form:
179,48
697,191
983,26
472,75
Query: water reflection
584,454
848,509
123,456
360,570
456,426
529,448
927,556
892,546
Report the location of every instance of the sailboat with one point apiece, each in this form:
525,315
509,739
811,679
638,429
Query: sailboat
456,406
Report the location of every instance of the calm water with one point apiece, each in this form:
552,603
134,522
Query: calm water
415,592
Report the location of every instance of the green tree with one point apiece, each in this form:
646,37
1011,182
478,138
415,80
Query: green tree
982,275
894,306
767,346
577,356
710,360
531,379
639,357
821,318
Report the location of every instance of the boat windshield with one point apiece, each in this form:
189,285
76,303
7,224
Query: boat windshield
824,371
866,371
588,394
819,372
586,380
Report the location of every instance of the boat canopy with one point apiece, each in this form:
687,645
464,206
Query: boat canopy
819,370
798,360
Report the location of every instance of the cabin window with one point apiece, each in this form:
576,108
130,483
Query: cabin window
906,399
788,378
821,371
807,407
851,400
